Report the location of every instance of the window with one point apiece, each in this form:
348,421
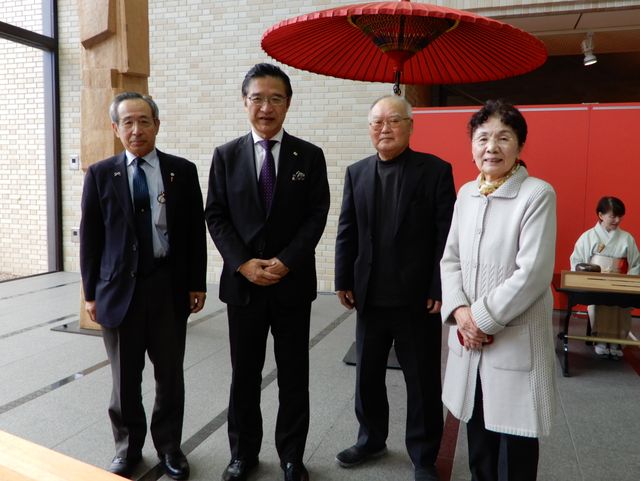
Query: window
30,238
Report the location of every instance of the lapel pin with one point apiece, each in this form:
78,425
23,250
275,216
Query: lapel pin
298,176
171,175
295,153
117,174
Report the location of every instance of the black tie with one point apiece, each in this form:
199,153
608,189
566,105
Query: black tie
142,210
267,180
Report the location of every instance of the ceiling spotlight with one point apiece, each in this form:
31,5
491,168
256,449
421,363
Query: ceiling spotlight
587,50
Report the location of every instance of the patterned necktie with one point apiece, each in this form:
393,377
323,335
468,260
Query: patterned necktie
142,211
267,180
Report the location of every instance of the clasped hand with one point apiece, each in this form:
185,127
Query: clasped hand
264,272
471,333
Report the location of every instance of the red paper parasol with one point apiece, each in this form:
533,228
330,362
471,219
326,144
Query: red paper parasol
417,43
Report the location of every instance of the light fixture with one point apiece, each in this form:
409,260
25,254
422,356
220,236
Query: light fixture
587,50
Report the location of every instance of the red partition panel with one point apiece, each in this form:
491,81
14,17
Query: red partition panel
556,151
614,161
584,151
443,132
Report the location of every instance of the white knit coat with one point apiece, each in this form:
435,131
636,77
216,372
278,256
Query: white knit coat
499,260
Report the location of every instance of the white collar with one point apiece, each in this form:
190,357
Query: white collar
277,137
151,158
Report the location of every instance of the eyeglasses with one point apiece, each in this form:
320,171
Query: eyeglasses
129,124
275,100
377,124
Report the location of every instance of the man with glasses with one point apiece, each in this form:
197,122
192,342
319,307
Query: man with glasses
143,257
394,221
266,210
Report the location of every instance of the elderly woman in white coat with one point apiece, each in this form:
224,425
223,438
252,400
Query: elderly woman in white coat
496,271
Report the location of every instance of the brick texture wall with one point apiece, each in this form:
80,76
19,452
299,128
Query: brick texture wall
200,51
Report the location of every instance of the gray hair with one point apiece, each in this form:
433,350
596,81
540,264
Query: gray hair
398,101
118,99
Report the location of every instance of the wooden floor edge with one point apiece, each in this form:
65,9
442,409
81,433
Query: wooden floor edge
22,460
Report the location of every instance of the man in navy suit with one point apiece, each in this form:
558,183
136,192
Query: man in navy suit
395,218
143,260
266,210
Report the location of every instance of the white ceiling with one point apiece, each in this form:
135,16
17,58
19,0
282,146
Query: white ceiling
613,30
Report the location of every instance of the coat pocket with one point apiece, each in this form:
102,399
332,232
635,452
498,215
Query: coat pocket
511,349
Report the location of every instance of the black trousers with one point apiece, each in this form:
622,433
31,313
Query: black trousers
150,326
248,331
497,456
417,339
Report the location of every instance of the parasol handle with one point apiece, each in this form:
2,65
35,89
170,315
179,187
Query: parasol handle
396,84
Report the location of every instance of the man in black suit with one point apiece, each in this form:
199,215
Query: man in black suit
143,260
266,210
394,221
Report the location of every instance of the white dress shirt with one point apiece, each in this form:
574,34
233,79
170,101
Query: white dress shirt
151,168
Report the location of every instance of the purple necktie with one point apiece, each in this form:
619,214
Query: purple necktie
267,180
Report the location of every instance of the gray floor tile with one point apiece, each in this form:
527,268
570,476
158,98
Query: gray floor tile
56,387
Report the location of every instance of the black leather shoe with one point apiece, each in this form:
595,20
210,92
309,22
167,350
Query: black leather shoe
239,469
356,455
123,466
427,473
295,472
175,464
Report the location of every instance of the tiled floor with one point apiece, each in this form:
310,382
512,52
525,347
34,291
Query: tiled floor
55,389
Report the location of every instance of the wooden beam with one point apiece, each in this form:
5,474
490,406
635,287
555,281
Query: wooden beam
115,58
610,340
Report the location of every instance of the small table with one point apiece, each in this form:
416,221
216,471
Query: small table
577,296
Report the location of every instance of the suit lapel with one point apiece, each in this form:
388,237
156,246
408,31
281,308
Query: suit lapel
411,177
370,182
120,182
286,164
246,156
167,170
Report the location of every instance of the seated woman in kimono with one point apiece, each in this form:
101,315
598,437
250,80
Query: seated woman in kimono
614,250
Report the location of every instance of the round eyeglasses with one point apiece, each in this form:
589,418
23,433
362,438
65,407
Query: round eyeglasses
394,122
